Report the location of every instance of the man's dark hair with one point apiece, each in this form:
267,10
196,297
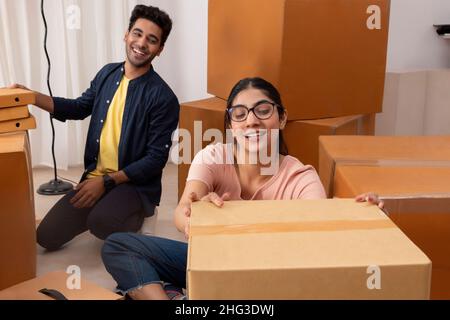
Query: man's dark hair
155,15
270,91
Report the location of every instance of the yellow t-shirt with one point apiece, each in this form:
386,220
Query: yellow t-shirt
108,158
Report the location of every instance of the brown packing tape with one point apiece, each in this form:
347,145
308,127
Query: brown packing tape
305,226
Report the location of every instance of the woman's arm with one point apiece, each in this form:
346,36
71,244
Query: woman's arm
193,191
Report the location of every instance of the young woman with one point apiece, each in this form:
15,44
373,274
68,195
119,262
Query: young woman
142,265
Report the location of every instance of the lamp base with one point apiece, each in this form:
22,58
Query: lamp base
55,187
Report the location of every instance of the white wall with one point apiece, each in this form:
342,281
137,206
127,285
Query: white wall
413,41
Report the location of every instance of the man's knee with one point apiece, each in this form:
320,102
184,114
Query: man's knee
102,224
46,238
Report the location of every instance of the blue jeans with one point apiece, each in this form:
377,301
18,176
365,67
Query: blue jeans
135,260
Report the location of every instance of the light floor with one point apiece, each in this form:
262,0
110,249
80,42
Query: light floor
84,250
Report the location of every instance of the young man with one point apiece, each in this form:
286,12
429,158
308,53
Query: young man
133,114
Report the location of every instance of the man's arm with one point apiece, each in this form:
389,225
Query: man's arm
43,101
164,121
64,109
119,177
90,190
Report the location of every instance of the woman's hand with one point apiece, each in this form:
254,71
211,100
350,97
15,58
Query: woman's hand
372,198
210,197
216,199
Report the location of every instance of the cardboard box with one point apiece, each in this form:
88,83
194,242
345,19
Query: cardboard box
415,103
302,137
16,97
324,56
418,201
29,290
13,113
404,102
209,114
416,150
437,112
18,124
17,218
301,249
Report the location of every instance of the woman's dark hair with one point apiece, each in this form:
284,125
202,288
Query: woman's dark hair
155,15
271,92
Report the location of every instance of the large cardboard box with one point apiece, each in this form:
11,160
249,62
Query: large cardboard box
415,103
301,249
418,201
13,113
29,290
16,97
196,118
414,150
17,218
327,57
302,137
18,124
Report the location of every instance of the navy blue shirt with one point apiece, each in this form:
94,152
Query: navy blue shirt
150,116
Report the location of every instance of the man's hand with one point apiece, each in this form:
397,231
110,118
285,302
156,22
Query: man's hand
88,193
18,86
43,101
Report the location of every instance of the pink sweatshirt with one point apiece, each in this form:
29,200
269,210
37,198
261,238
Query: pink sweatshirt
293,180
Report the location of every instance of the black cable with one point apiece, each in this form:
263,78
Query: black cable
55,186
65,179
49,88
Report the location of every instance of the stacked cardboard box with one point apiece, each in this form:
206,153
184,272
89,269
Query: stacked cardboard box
14,115
411,175
195,119
302,47
315,249
78,289
17,218
302,137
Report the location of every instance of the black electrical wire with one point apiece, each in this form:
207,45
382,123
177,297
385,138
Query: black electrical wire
55,186
49,88
68,180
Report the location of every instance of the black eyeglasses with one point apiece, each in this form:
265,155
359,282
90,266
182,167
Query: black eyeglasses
263,110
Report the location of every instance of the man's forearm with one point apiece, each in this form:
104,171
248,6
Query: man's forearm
44,102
